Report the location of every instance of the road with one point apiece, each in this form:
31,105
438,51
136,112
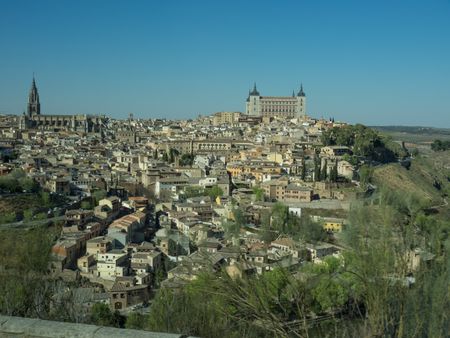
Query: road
22,224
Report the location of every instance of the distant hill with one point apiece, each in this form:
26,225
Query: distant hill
414,130
415,135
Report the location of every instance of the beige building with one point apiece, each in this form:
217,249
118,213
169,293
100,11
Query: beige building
227,118
276,106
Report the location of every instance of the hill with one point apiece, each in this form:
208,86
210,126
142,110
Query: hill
419,136
428,176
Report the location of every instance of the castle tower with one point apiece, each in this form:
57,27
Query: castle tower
33,107
253,102
301,102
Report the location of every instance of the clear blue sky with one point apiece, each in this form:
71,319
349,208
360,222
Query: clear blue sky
374,62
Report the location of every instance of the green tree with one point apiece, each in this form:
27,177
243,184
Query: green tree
259,194
28,184
193,191
27,214
135,321
334,172
45,198
323,171
186,160
317,169
8,217
101,315
231,229
365,176
98,195
40,216
304,169
239,217
214,192
86,205
9,184
17,174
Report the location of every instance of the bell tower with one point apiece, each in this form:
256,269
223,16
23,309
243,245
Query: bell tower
33,107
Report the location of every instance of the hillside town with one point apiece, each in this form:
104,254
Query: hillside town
152,203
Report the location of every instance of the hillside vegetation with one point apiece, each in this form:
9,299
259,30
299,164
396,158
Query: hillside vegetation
427,177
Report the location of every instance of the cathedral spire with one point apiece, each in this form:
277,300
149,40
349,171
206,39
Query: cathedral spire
34,106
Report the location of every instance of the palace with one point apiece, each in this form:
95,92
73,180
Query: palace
276,106
34,120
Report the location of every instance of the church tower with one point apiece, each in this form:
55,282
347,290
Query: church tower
33,107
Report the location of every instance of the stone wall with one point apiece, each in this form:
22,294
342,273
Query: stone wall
12,327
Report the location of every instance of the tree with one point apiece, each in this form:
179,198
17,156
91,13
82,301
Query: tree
135,321
7,217
45,198
40,216
317,168
17,174
231,229
323,171
365,176
259,194
303,173
186,160
97,195
86,205
334,172
101,315
28,184
214,192
239,217
193,191
27,214
10,184
439,145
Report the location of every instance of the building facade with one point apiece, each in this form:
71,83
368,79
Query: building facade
276,106
33,119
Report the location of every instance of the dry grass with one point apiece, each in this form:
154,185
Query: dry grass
419,179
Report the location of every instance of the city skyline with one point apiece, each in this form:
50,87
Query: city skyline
178,60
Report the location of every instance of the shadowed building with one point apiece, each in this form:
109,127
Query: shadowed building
34,120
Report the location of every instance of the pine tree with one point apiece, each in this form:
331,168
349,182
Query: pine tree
334,172
303,174
323,171
317,175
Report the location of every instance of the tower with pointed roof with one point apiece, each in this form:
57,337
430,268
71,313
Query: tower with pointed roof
253,101
301,99
34,106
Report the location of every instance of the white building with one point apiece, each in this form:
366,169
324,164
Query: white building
276,106
112,264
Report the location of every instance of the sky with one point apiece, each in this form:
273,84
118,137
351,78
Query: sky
371,62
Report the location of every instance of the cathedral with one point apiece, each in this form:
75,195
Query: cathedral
33,119
276,106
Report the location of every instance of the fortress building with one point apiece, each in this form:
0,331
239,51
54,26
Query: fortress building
33,119
276,106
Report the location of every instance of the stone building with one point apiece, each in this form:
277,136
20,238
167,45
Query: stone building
34,120
276,106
